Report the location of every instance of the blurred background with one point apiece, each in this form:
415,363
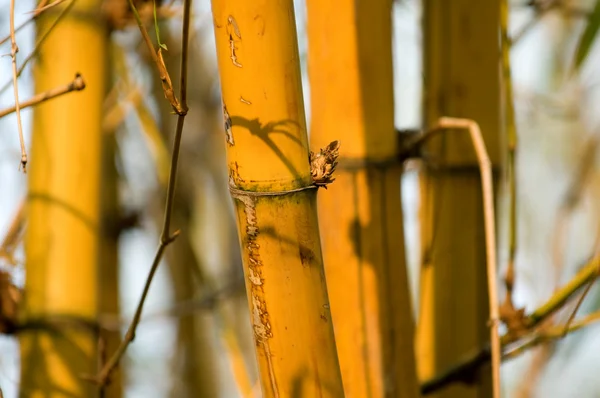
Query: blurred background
195,334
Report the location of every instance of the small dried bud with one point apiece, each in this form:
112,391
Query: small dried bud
323,164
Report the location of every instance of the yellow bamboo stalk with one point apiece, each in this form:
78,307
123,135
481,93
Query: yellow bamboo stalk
62,238
351,76
267,150
461,68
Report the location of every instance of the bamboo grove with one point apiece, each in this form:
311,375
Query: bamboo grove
283,236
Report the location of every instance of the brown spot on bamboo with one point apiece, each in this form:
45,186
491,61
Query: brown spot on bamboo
234,31
306,255
260,316
228,126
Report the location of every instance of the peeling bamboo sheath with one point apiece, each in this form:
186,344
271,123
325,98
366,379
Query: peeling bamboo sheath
351,77
267,150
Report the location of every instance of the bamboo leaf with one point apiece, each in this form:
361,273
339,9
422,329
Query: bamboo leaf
588,37
161,45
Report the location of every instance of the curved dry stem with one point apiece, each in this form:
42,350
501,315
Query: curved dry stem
489,217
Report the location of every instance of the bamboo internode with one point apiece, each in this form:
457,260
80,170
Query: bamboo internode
267,151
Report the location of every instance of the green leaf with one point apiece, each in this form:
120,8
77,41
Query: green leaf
161,45
587,38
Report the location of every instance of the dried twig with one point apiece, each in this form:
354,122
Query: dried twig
552,334
166,236
569,203
160,64
43,8
489,218
586,274
37,12
13,235
14,49
77,84
33,53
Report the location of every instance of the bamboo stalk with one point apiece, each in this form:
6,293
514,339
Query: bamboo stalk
351,76
270,179
110,302
62,238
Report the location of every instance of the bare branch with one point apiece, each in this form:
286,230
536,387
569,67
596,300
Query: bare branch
166,236
76,85
160,64
33,53
14,49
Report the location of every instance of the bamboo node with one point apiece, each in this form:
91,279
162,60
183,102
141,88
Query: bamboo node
323,164
242,195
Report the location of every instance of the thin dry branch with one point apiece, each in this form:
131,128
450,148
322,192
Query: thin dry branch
42,39
77,84
166,236
489,218
586,274
165,78
36,12
14,49
13,235
43,8
555,333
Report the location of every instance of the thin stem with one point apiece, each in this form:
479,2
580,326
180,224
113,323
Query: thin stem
511,132
76,85
13,234
41,9
14,49
36,12
489,219
17,29
165,237
158,60
554,333
587,274
41,41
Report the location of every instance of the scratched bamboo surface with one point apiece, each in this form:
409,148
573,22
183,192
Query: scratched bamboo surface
267,151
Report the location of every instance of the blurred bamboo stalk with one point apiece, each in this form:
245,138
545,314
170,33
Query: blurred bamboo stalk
109,257
270,178
352,99
63,204
462,80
